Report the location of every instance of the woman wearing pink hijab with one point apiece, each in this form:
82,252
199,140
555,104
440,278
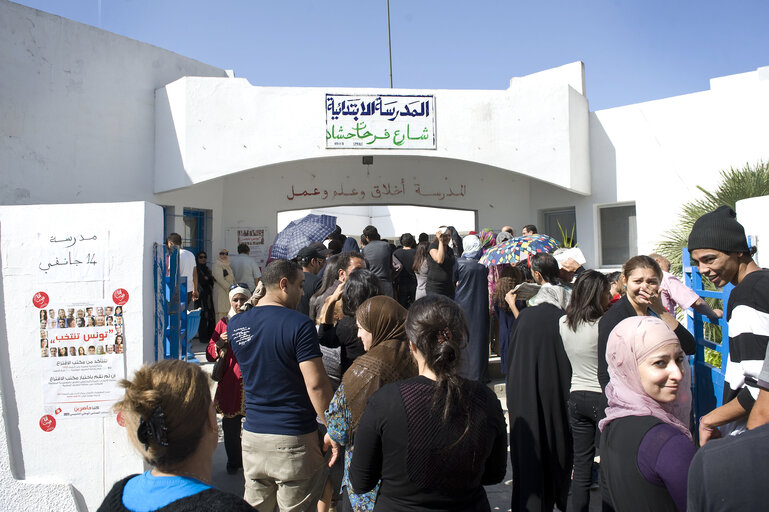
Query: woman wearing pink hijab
646,445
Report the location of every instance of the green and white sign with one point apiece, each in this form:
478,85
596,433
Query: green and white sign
380,121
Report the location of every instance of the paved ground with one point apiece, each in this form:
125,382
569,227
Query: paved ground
499,495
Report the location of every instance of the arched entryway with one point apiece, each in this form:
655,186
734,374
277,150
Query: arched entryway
390,220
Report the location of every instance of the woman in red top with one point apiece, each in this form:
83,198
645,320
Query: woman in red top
229,397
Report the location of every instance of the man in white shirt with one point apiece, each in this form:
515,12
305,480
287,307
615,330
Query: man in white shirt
245,268
187,266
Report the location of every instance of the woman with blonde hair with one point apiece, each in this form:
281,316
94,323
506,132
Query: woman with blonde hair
170,418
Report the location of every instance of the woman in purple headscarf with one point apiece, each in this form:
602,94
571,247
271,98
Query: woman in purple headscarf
646,445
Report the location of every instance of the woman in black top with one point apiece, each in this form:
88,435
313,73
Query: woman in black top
205,298
642,277
436,439
360,286
407,281
440,265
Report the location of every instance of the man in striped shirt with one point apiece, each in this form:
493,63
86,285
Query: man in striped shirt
719,248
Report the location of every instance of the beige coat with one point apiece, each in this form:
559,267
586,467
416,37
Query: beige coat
222,285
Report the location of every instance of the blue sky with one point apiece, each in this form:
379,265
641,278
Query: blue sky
633,50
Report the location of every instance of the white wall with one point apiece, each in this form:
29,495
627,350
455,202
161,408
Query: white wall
253,198
78,109
89,453
751,213
657,153
212,127
390,221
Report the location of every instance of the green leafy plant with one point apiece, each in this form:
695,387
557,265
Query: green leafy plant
567,241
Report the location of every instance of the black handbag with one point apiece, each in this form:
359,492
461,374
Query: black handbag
219,365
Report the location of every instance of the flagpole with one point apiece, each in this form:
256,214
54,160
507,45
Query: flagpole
389,44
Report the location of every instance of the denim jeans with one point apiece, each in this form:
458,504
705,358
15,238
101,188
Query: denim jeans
586,409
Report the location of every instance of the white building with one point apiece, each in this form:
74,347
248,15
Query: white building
87,116
90,116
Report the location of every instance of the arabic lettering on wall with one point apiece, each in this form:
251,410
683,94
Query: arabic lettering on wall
71,256
377,191
383,121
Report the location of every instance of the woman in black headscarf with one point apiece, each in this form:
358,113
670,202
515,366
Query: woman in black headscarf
205,297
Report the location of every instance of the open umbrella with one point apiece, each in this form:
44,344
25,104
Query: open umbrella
516,249
300,233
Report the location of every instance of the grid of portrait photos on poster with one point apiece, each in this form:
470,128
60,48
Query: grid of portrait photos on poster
81,331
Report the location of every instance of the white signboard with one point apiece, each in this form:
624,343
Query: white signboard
380,121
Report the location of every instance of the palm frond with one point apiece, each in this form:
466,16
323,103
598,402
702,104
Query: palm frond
735,185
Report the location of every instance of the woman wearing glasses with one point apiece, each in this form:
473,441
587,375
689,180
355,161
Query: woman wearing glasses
224,278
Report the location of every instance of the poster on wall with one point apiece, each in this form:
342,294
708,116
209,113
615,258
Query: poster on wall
82,347
72,256
254,239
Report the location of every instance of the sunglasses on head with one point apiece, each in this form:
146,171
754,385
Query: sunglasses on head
239,285
224,253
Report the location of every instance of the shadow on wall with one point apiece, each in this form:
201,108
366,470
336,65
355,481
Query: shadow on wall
603,163
8,392
603,177
15,494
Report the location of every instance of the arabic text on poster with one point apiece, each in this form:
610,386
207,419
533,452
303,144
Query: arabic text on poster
82,349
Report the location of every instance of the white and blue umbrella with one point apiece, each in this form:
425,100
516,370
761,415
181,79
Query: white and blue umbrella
301,233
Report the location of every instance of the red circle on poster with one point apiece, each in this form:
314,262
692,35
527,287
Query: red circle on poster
40,300
120,419
47,423
120,297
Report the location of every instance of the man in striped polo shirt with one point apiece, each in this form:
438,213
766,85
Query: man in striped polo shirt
719,248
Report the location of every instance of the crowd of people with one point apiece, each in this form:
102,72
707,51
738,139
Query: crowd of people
357,374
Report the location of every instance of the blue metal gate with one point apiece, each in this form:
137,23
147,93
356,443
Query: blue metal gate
708,379
173,325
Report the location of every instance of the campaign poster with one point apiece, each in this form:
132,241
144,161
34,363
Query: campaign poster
254,239
82,347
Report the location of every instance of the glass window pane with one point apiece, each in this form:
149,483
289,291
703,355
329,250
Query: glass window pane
567,219
618,234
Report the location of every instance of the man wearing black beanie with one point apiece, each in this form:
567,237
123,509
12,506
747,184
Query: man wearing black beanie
719,249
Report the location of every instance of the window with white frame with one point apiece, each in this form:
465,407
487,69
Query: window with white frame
618,234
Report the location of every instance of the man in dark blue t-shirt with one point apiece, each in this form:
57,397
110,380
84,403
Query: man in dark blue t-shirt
286,387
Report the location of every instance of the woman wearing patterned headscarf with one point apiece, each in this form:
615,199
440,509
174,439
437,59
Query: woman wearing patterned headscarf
381,327
646,446
487,239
